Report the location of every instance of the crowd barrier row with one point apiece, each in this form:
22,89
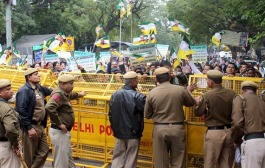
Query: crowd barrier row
92,137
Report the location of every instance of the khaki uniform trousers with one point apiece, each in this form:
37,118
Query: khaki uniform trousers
36,150
125,153
253,153
8,158
62,149
219,149
169,144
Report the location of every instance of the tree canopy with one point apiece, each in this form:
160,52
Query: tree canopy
205,17
79,18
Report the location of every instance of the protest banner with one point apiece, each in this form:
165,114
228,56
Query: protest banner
146,48
200,54
104,57
37,55
234,38
162,49
86,59
51,57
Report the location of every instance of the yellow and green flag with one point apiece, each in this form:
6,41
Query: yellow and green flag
216,38
225,47
103,42
98,30
140,40
115,53
176,63
16,53
176,25
121,8
129,7
184,49
8,59
147,28
24,63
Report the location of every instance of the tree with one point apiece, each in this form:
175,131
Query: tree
205,17
80,18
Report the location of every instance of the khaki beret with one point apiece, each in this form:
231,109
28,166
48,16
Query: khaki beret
130,75
249,84
161,70
4,83
66,78
214,74
30,71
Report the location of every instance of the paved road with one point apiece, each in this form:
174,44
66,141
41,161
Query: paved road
48,164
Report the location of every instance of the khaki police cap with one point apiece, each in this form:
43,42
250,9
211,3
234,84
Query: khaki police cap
30,71
130,75
66,78
214,74
4,83
161,70
249,84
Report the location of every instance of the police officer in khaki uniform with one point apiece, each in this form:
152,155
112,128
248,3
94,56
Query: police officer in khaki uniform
216,106
164,104
249,123
30,100
62,118
9,129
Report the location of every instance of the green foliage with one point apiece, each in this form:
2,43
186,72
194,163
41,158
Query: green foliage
79,18
205,17
2,20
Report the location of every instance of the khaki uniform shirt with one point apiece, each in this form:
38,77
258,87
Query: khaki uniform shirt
249,113
9,124
216,106
164,104
39,111
60,109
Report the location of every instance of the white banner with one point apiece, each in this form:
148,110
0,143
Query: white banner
145,48
162,49
200,54
86,59
51,57
104,57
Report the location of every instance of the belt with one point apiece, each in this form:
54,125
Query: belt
253,136
3,139
35,122
219,127
175,123
54,126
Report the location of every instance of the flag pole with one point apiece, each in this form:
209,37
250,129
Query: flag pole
94,44
131,28
120,34
158,51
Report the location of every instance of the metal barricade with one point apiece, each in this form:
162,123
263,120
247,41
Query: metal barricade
195,125
92,137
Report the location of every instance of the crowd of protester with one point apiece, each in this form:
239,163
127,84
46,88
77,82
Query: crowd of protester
180,74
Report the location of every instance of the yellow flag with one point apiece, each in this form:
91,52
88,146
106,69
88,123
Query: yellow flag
129,8
184,50
216,39
176,63
8,59
70,43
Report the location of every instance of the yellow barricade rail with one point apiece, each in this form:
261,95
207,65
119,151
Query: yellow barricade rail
107,84
17,77
195,125
92,137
